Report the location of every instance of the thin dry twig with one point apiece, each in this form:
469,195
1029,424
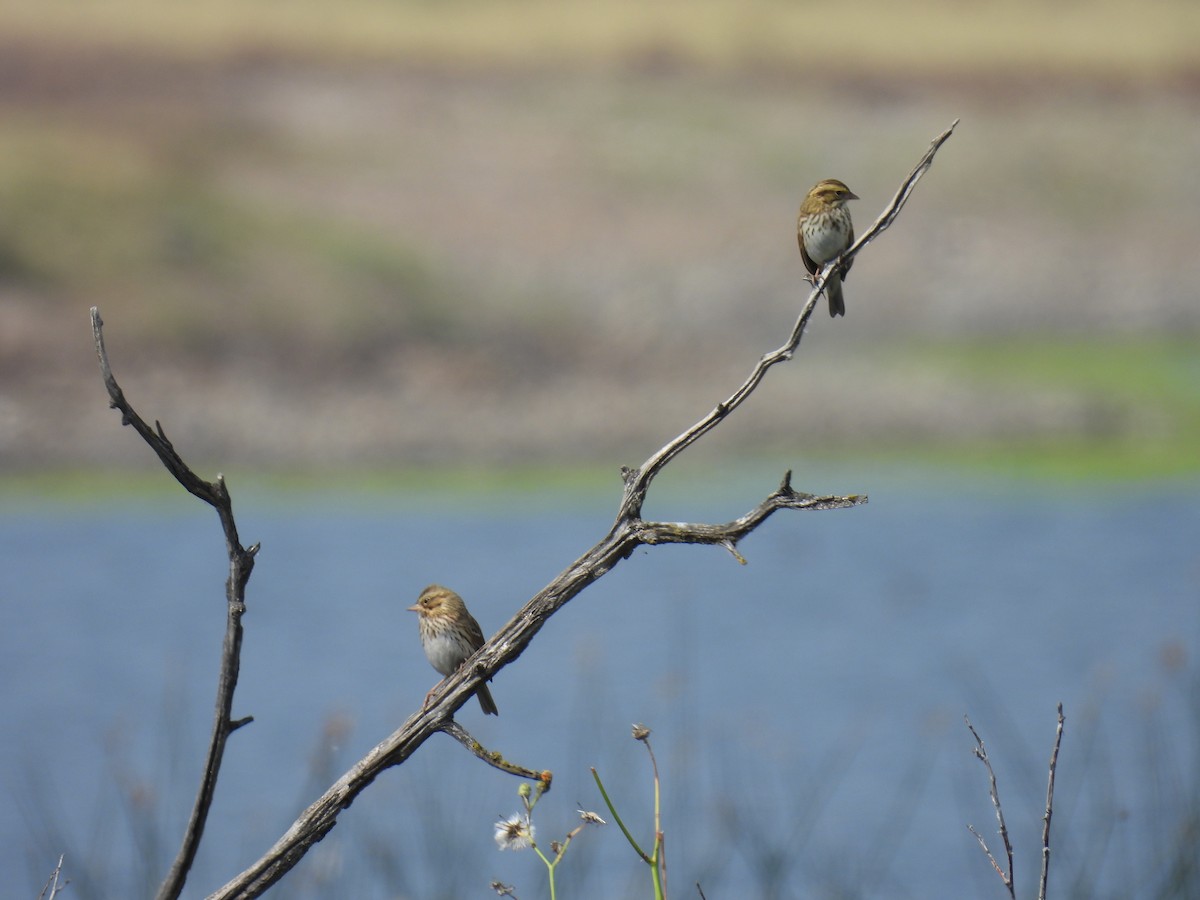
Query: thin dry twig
494,758
54,886
1045,876
241,564
729,534
981,754
1007,878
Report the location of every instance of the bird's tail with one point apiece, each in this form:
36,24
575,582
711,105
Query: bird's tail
486,701
833,291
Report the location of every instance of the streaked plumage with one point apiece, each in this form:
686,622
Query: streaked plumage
824,231
450,634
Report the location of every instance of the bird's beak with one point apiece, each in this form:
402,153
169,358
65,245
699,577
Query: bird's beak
850,195
413,608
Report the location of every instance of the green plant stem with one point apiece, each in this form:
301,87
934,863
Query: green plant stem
655,874
617,817
652,860
659,850
549,867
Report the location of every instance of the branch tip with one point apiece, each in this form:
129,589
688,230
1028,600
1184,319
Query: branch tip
732,548
492,757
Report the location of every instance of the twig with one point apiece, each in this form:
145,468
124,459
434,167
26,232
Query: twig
1050,807
892,210
494,759
53,888
981,754
628,532
729,534
241,564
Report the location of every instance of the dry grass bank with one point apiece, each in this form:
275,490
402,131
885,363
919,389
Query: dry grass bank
304,260
872,36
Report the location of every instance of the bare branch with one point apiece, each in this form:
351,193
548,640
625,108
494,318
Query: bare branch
628,532
991,858
981,754
637,481
241,564
729,534
892,210
493,758
1050,807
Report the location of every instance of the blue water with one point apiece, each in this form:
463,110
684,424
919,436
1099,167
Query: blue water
807,708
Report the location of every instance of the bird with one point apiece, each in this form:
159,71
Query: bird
449,635
825,232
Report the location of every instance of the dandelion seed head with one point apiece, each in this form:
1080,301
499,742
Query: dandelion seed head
514,833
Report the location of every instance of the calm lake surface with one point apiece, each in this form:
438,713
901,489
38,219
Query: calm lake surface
806,708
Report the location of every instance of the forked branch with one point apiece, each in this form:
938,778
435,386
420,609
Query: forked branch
241,564
1007,876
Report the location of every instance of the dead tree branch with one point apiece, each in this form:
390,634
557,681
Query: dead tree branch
241,564
629,531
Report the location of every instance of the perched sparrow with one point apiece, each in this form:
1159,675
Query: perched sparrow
449,635
824,231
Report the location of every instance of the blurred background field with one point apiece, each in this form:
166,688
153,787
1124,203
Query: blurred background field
384,235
